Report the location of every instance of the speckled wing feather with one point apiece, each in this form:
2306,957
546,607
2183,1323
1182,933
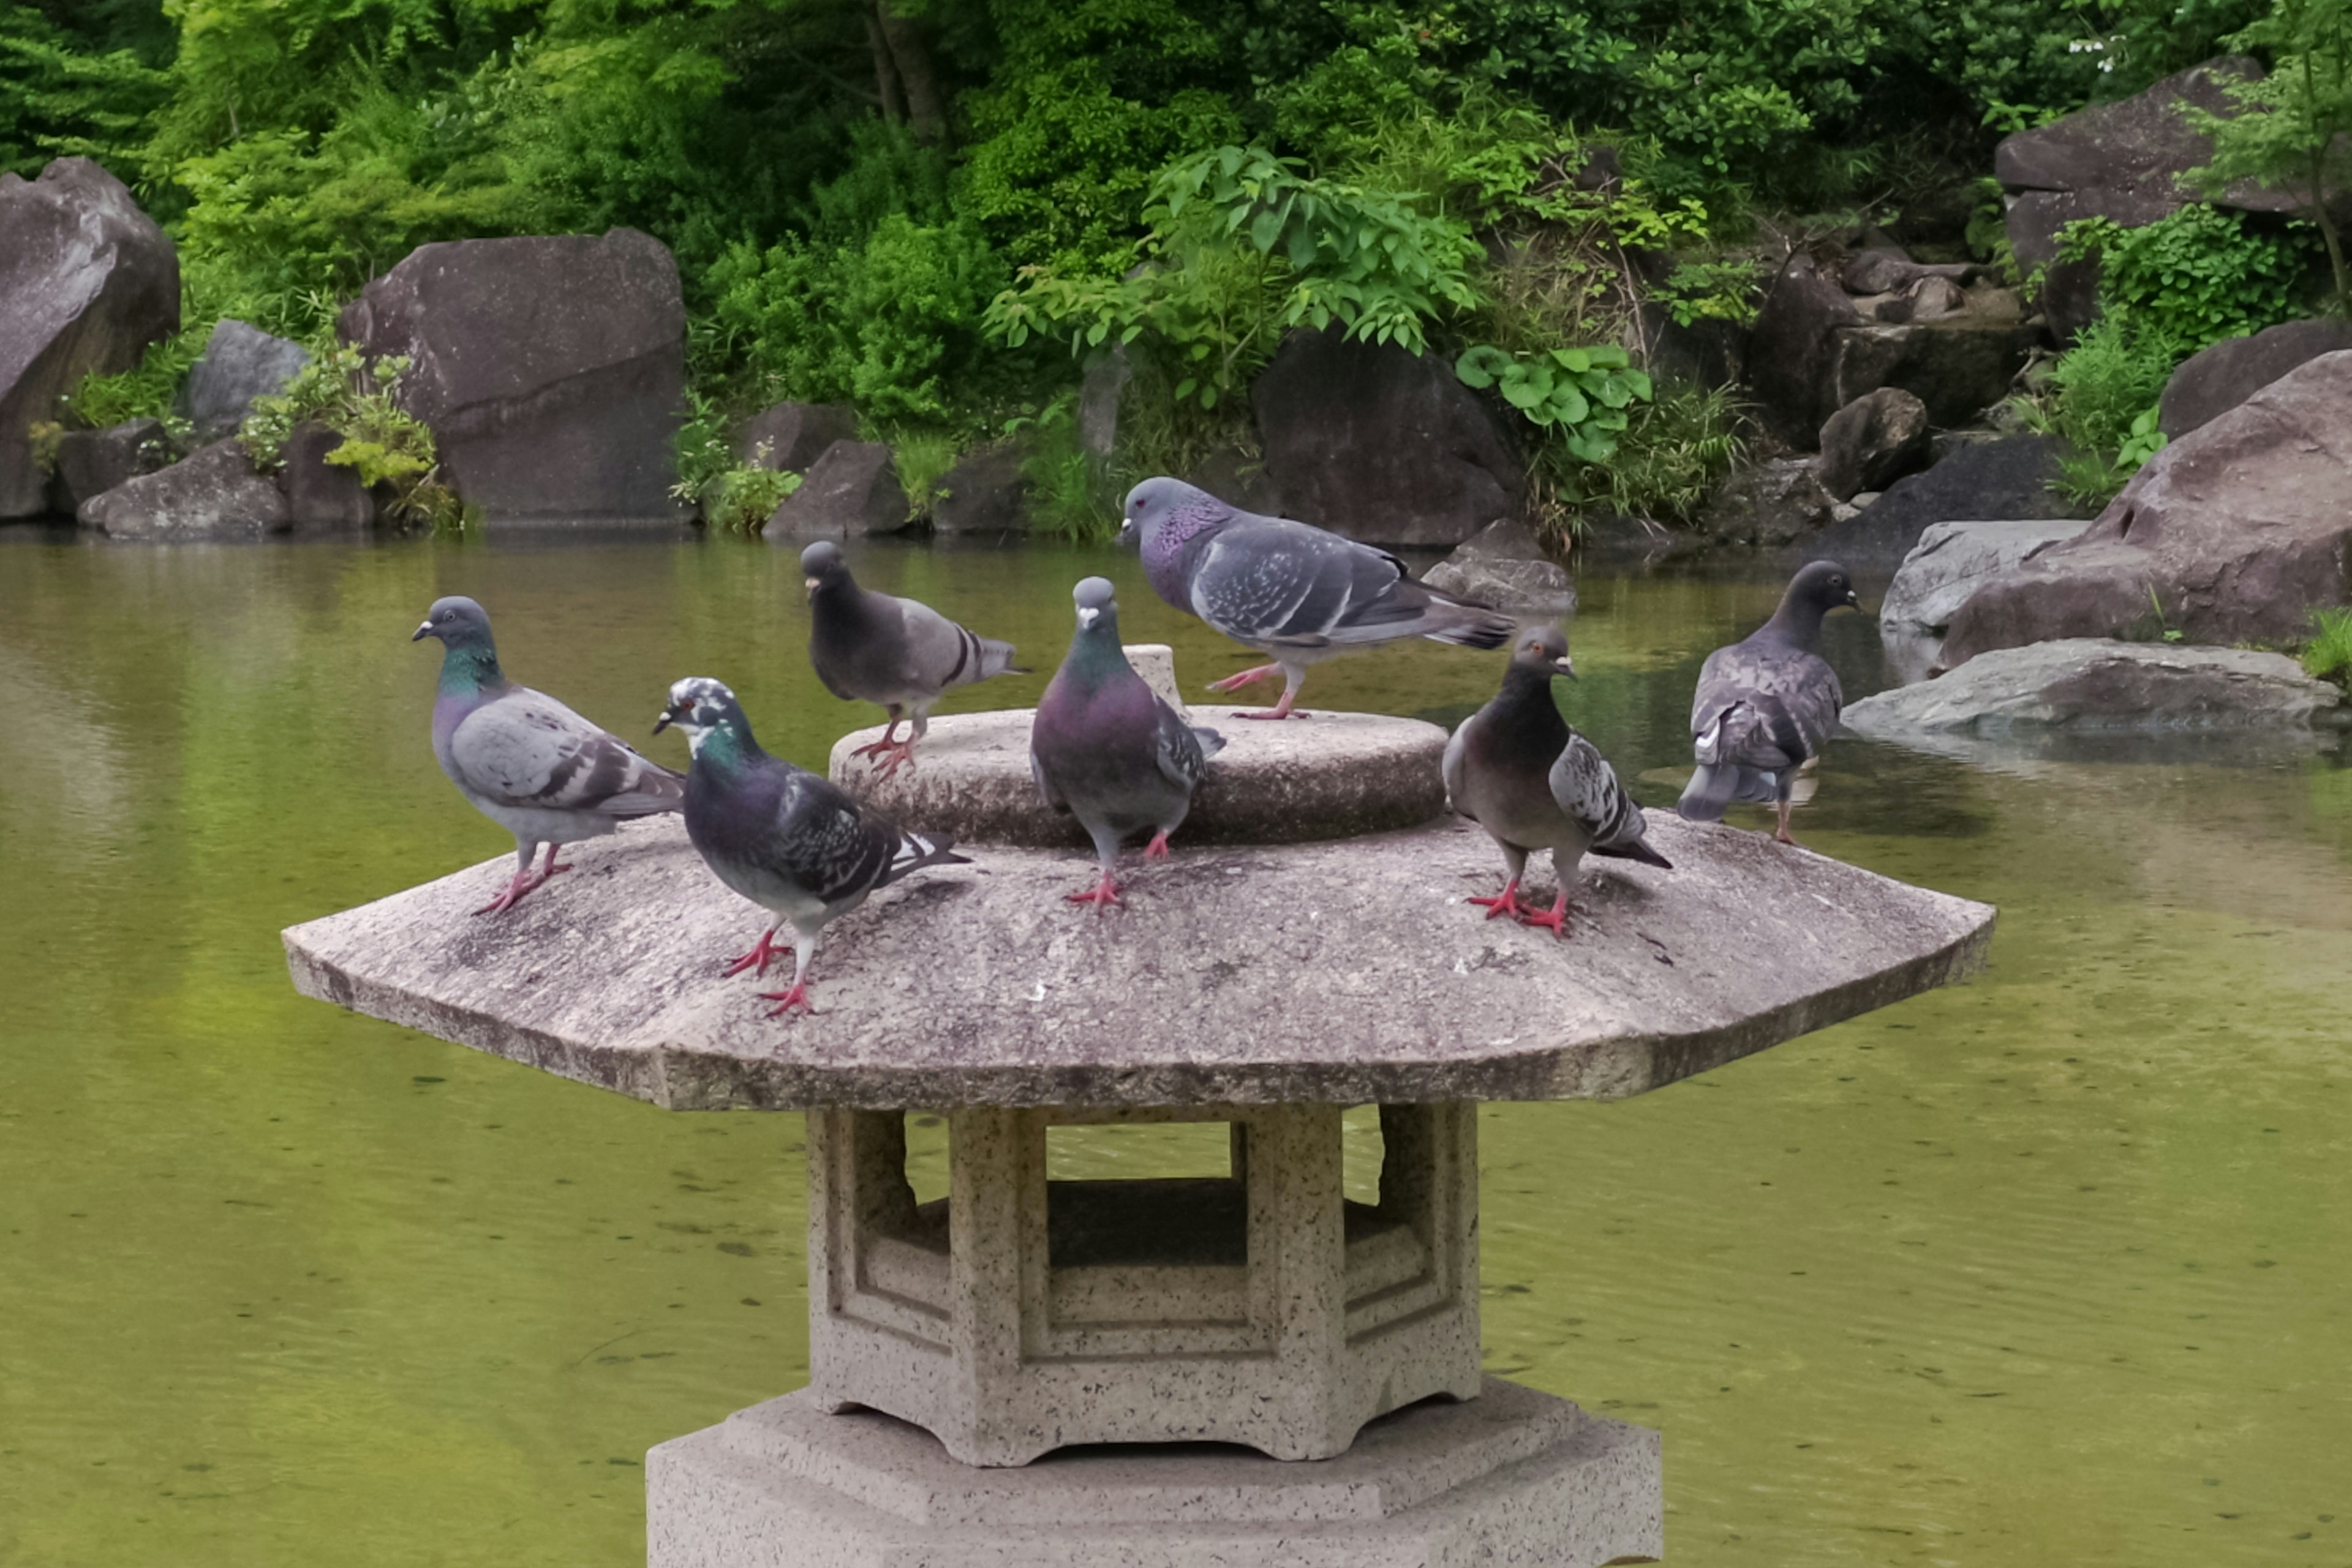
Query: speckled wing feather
1764,706
1586,789
524,749
820,841
1184,751
1270,581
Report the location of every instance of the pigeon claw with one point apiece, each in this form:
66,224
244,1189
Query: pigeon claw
899,754
1235,682
1505,904
763,952
1554,919
1158,848
797,997
1102,895
523,882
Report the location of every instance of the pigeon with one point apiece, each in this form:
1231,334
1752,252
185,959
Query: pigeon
875,648
1293,592
1105,749
1518,770
527,761
780,835
1767,704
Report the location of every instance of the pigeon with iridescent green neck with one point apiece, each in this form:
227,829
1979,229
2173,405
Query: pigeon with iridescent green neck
524,760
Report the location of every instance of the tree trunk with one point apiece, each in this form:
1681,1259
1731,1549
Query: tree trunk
885,73
912,54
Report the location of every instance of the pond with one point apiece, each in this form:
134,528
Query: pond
2052,1267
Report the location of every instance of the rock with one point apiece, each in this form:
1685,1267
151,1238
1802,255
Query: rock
852,490
212,493
2215,379
1099,392
1792,351
1238,478
1976,481
1383,446
87,281
92,462
1928,299
2235,533
2095,684
1952,559
1888,271
794,435
1503,565
986,494
551,370
1773,503
1872,441
320,496
240,363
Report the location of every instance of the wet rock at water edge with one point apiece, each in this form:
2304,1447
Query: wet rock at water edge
793,436
985,492
1792,349
551,370
240,363
320,496
87,281
1503,565
1873,441
852,490
91,462
212,493
2212,381
1952,559
2089,684
1383,446
1975,482
1773,503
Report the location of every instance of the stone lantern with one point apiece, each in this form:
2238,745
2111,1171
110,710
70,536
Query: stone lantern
1234,1369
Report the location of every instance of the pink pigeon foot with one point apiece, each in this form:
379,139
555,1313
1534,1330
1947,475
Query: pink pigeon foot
795,997
899,755
1555,918
524,882
1235,682
763,951
1504,904
1158,848
887,742
1280,709
1102,895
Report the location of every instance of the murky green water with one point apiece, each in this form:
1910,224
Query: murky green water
2054,1268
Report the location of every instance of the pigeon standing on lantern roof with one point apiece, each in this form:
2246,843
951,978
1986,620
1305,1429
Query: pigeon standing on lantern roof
899,653
1767,705
1295,592
1104,748
781,836
524,760
1518,770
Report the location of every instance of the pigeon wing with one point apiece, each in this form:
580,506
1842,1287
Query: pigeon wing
1277,581
1586,789
1453,769
1181,757
1765,708
526,750
939,653
822,842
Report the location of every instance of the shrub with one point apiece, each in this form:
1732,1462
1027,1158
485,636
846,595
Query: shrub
2195,277
2102,395
1675,452
2328,654
382,444
1575,397
732,495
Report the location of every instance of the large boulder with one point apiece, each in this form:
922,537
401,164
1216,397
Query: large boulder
212,493
87,281
853,488
1503,565
792,436
985,492
2233,533
2215,379
321,497
1976,481
1792,351
1873,441
1772,503
240,363
1953,560
551,370
91,462
1383,446
2095,684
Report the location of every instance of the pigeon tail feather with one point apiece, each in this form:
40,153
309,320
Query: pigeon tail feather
1633,849
917,850
1212,741
1709,791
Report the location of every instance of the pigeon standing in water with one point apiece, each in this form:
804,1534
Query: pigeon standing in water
1768,703
1294,593
527,761
1518,770
780,835
1105,749
899,653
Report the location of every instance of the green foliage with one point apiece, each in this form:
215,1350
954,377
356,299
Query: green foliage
734,495
382,444
922,458
64,91
1072,494
2101,401
1674,454
1580,397
2195,277
2328,654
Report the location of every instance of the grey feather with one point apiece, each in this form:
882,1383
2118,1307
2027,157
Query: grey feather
1767,704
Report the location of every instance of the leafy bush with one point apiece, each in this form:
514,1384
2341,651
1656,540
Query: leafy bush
1071,492
1674,454
922,458
2328,654
382,444
728,493
1577,397
2195,277
2102,395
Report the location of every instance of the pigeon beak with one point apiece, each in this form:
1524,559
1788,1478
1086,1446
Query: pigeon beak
422,632
1125,531
809,583
1853,598
667,714
1565,666
1087,620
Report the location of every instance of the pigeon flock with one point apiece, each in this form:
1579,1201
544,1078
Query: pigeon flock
1104,747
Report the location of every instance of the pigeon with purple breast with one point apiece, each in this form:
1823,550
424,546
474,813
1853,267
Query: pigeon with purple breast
1293,592
1519,770
1104,748
781,836
1767,705
524,760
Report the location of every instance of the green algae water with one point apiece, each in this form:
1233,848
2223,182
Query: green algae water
2054,1267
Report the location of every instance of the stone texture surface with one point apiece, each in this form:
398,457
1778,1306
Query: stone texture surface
552,369
1020,1315
1771,503
1346,971
792,436
1324,777
852,490
92,462
240,363
212,493
87,281
2090,683
1792,351
2214,380
1976,481
986,494
1952,559
321,497
1873,441
1503,565
1512,1477
2237,531
1381,445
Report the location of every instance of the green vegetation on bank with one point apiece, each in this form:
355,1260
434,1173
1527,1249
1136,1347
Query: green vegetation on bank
939,212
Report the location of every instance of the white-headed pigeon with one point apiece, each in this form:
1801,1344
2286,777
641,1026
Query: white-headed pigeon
524,760
1105,749
1767,704
1518,770
780,835
1295,592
